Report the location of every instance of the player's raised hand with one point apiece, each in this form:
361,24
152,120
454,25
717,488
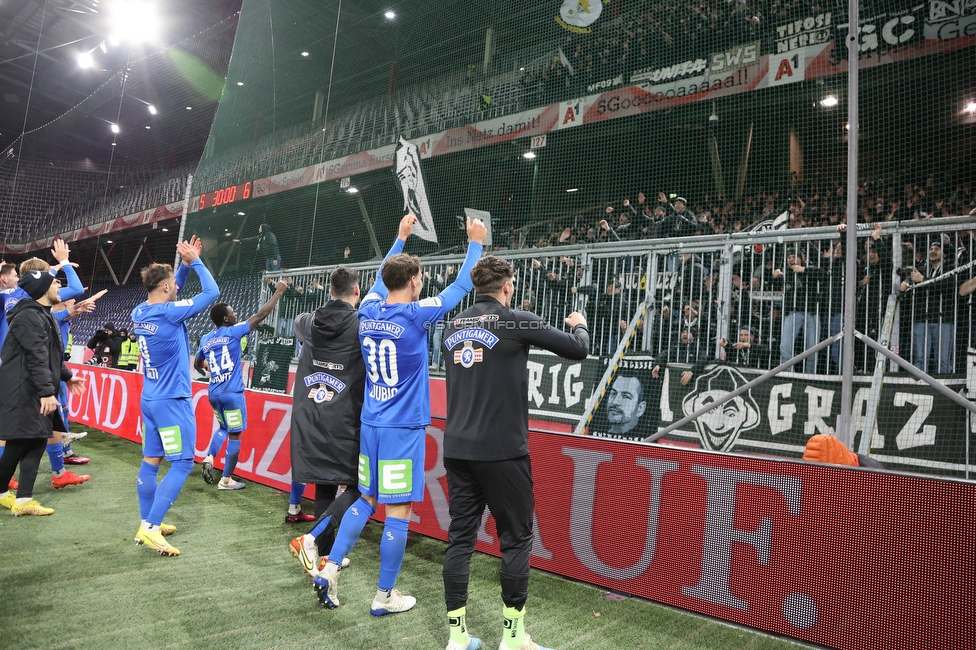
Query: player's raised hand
575,319
476,230
187,251
60,251
197,243
281,286
406,227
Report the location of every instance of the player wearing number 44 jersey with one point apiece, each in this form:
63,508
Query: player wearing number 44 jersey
393,330
220,353
168,425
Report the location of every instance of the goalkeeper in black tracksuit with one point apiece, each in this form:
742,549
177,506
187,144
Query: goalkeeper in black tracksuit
486,451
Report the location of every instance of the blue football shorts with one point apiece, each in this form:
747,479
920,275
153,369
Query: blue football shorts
391,463
231,411
168,428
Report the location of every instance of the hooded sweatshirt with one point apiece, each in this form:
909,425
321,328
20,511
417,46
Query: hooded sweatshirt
328,396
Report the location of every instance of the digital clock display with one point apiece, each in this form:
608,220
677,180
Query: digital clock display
226,195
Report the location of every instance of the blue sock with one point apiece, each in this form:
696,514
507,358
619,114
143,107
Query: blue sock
393,544
297,490
230,460
146,487
350,529
66,450
169,488
216,441
321,526
56,454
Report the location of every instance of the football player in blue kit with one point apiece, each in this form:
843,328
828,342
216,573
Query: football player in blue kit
220,352
393,330
168,426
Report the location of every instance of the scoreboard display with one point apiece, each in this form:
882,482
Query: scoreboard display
225,196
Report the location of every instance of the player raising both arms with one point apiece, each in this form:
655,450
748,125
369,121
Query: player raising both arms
168,425
393,328
220,351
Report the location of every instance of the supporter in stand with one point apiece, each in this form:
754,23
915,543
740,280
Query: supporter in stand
169,426
931,308
220,354
129,353
267,246
747,351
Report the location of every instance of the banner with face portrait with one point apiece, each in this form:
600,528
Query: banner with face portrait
414,192
921,429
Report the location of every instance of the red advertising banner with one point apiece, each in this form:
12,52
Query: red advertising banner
842,557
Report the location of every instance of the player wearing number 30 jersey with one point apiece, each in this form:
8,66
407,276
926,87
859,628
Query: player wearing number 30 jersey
220,352
393,330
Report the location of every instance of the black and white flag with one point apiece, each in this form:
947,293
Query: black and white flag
414,193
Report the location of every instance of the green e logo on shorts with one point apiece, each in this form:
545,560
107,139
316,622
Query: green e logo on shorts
363,470
396,476
171,439
234,419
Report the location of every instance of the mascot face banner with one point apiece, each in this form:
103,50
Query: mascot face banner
414,193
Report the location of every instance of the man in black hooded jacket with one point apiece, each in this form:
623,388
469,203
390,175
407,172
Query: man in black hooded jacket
31,369
325,417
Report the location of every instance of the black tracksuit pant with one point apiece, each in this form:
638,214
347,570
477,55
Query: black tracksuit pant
504,486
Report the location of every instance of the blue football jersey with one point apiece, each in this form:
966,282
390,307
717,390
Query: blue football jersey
394,345
14,295
221,348
164,343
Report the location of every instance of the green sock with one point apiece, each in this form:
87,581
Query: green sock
514,627
458,628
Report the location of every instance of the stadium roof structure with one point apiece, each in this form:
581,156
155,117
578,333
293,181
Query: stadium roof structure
42,80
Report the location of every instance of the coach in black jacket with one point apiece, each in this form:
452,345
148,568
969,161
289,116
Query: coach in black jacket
328,398
486,440
31,369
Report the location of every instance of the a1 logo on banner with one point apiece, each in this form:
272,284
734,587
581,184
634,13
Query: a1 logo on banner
786,68
538,141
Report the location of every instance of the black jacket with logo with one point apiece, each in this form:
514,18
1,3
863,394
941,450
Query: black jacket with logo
328,396
31,367
487,348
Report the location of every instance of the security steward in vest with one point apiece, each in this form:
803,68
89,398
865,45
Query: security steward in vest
129,353
486,440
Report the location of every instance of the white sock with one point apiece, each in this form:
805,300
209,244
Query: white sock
4,493
21,502
143,523
152,528
383,595
59,472
294,508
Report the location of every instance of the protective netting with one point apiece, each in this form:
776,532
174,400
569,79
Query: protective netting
121,157
580,125
675,171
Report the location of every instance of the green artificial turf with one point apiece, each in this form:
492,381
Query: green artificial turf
77,580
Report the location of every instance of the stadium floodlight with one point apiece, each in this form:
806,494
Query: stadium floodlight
152,109
573,189
970,108
352,190
240,214
189,108
829,101
304,53
240,83
148,127
165,229
115,128
390,15
133,20
529,155
85,60
103,48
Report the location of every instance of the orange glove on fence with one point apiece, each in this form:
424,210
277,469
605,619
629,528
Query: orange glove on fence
828,449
